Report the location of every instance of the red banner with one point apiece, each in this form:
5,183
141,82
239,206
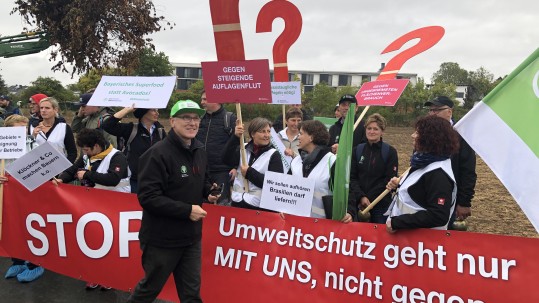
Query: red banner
383,92
248,256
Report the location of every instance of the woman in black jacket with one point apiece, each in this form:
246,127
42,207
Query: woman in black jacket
137,137
373,164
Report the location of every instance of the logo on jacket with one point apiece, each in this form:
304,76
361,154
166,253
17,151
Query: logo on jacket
361,160
183,170
441,201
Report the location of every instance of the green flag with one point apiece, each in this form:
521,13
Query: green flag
341,179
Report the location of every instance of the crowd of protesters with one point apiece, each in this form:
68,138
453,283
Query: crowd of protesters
203,149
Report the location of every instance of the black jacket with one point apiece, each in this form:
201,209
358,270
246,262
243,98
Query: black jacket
335,132
463,165
427,192
171,179
214,135
141,143
231,156
116,172
369,176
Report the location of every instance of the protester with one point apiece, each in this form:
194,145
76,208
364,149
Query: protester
138,137
8,108
35,115
100,166
278,124
373,164
426,196
337,112
173,181
261,157
216,128
289,135
23,270
463,162
335,129
52,130
316,162
92,117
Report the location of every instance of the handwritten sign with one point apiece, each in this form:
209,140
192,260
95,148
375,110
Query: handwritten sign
237,81
288,194
38,166
145,92
382,93
286,92
12,142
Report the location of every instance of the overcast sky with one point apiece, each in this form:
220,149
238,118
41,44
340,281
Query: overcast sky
338,35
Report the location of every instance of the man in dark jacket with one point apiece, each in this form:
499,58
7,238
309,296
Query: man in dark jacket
137,137
173,181
463,163
335,129
9,109
216,127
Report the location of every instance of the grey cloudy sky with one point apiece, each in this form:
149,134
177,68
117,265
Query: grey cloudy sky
338,35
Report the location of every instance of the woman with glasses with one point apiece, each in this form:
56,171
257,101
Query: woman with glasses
261,157
426,196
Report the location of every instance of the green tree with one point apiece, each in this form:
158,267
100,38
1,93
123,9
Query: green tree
322,99
151,63
93,33
3,86
481,83
50,87
92,77
450,73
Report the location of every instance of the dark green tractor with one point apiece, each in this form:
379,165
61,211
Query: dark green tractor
23,44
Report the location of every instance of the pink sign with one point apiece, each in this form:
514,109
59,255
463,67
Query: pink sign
237,81
382,93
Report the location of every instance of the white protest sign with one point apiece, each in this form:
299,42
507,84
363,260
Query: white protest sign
278,144
12,142
145,92
38,166
286,92
288,194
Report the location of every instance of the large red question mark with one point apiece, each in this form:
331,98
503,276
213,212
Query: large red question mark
428,37
225,16
293,22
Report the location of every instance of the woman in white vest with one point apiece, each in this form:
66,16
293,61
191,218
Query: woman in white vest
426,196
316,162
100,165
50,129
261,157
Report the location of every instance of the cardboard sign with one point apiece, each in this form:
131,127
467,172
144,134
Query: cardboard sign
12,142
144,92
288,194
237,81
382,93
286,92
278,144
38,166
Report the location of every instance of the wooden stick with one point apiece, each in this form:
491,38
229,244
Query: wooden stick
381,196
284,115
2,164
242,147
361,116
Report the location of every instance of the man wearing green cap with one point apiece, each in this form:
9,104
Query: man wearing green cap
173,180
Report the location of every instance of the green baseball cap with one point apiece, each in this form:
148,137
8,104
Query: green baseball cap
186,106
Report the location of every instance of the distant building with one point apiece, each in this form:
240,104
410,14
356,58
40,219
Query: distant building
189,73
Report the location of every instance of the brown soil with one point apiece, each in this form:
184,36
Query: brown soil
494,211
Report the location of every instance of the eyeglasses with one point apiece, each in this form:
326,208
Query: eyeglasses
189,119
437,110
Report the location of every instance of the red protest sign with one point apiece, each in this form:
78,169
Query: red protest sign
237,81
383,93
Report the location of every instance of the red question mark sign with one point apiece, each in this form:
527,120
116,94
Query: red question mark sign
225,17
428,37
293,22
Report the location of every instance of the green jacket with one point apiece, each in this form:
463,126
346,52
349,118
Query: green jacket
92,122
